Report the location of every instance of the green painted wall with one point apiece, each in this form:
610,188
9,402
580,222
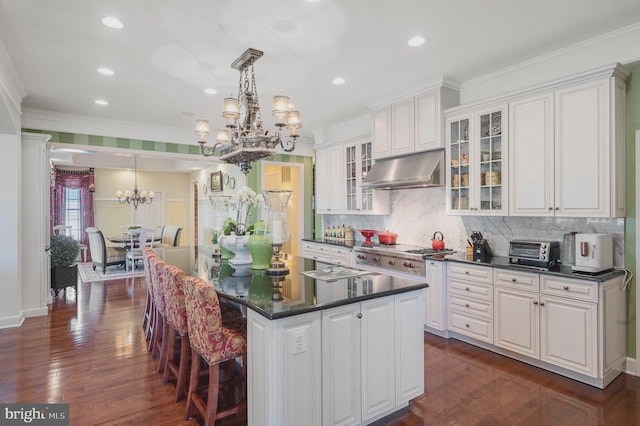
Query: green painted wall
633,123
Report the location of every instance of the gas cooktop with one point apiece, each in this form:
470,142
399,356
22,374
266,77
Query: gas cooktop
403,249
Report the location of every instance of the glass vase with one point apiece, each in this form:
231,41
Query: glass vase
277,202
260,247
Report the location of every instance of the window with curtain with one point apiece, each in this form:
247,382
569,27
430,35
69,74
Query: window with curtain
72,201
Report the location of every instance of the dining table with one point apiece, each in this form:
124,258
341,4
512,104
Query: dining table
126,240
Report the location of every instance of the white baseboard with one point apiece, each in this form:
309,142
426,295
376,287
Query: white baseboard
37,312
8,322
631,366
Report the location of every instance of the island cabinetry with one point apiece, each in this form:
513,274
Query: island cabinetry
477,170
435,316
470,300
284,368
413,123
567,138
372,358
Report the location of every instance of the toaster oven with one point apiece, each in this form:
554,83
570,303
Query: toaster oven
534,253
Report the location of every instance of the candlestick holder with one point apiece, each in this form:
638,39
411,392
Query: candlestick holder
277,202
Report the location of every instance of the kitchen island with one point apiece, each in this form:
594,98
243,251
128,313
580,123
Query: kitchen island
348,350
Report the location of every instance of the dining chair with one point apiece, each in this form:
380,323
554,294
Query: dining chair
101,255
216,344
138,240
147,324
170,236
158,314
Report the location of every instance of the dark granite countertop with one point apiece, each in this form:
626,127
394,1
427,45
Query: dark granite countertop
302,294
558,270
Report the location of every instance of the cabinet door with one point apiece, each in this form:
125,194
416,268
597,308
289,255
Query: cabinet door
517,321
402,127
582,168
531,157
427,116
382,132
490,175
329,184
409,346
569,334
435,297
378,352
351,161
341,380
458,154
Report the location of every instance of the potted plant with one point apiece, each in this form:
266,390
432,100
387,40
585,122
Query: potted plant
64,272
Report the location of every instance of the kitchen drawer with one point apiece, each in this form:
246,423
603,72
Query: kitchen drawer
341,256
470,306
481,274
478,328
568,287
471,289
521,280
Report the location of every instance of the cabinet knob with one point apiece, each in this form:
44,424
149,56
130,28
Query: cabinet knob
535,302
359,315
550,208
566,287
541,303
466,272
557,208
467,325
513,280
466,288
466,305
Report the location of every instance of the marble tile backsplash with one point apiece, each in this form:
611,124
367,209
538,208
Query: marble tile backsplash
417,213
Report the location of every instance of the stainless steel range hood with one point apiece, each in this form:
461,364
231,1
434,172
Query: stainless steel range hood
421,170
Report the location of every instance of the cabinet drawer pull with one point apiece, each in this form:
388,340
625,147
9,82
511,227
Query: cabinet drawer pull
566,287
359,315
513,280
466,272
466,288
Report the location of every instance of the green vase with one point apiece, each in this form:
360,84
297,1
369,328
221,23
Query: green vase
260,247
260,288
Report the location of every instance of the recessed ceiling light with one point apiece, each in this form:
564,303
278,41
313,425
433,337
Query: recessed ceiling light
338,81
210,91
105,71
416,41
112,22
312,1
101,102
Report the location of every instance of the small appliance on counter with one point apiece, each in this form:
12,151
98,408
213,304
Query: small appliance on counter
541,254
481,249
594,253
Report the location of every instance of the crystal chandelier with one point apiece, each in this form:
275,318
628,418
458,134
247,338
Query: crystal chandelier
244,140
135,197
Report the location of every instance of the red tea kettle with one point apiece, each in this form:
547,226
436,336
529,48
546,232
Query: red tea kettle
437,243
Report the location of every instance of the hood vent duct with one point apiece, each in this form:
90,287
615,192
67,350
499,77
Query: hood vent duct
422,170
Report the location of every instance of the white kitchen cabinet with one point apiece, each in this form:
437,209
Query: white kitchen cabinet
476,149
329,179
577,325
328,253
284,364
358,159
372,358
470,300
412,124
567,149
436,297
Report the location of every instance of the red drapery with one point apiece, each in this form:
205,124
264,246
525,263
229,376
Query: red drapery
82,179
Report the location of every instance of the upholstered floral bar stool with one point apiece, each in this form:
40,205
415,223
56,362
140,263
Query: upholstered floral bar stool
214,344
176,364
148,308
159,311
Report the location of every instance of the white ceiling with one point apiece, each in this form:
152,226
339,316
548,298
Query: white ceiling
169,51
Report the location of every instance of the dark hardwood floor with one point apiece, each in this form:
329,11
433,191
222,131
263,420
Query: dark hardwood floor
90,352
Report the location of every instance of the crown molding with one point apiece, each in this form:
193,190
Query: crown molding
88,125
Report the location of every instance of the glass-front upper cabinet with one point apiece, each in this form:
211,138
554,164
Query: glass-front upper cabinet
358,162
476,150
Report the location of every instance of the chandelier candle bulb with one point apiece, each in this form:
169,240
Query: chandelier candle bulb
280,107
202,129
222,136
231,109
